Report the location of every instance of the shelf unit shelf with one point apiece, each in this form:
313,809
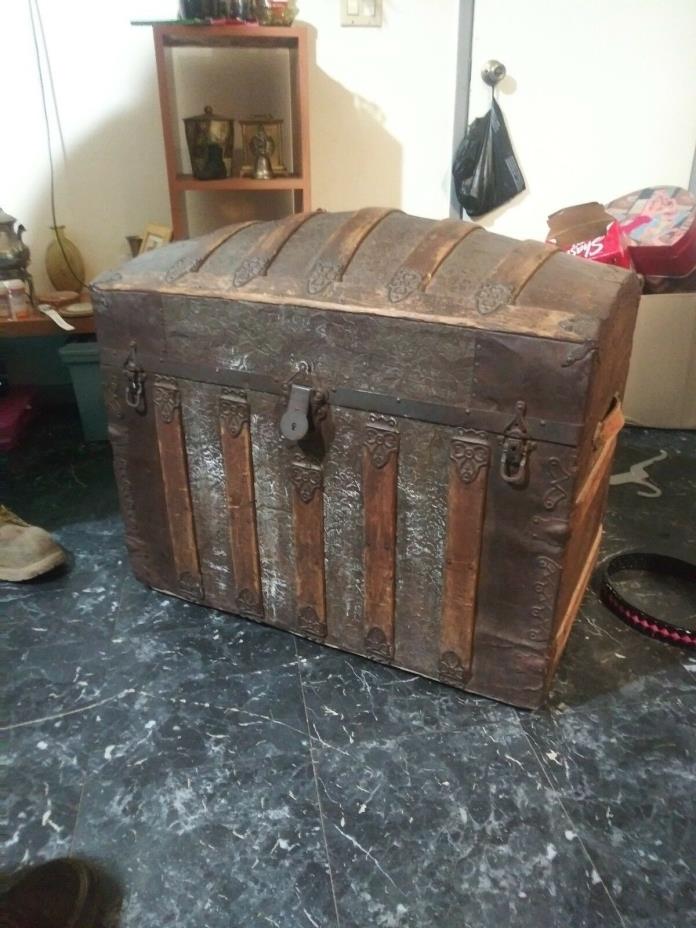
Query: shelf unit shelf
168,37
189,182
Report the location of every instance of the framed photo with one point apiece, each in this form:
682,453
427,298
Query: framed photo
155,237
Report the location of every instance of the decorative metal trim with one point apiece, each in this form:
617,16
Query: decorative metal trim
450,669
185,265
470,452
381,439
558,476
306,478
109,277
234,413
542,611
135,381
309,622
550,530
579,353
190,585
583,327
249,269
376,644
405,282
112,396
137,549
490,297
491,420
324,273
249,601
167,397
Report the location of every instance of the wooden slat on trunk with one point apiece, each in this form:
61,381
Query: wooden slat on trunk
170,438
468,479
380,469
206,477
308,523
241,504
272,460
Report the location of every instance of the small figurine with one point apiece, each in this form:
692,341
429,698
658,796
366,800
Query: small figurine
262,147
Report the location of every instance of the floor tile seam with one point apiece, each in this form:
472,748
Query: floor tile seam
73,836
407,736
208,705
575,829
317,791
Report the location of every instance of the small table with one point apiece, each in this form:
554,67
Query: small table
38,324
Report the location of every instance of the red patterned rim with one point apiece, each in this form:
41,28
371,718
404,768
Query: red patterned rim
632,615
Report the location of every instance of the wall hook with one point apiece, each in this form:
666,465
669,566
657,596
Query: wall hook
493,72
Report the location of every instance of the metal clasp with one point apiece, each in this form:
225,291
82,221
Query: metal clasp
135,381
306,407
294,423
514,460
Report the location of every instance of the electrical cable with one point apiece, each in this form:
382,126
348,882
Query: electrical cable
49,145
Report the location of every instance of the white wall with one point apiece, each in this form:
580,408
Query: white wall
600,98
603,104
382,106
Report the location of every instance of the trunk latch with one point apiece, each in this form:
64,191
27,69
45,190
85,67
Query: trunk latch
514,460
306,407
294,423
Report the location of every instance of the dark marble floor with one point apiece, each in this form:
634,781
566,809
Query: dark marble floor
230,775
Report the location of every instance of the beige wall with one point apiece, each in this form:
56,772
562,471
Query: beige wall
599,102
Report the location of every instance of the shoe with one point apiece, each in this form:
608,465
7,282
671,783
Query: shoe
58,894
26,551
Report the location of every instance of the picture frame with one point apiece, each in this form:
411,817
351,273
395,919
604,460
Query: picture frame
155,236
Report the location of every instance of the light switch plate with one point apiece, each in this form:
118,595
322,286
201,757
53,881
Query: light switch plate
361,12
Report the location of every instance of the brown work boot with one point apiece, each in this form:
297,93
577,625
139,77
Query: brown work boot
25,550
58,894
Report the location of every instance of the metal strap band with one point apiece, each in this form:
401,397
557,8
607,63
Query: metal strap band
560,433
511,275
265,251
341,247
421,264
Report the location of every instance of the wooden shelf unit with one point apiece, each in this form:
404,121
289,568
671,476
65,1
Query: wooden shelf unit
168,37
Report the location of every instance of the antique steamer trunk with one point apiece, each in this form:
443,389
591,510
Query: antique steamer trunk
383,433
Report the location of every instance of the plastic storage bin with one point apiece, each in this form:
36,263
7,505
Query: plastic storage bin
82,360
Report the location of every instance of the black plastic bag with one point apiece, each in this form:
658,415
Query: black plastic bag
485,171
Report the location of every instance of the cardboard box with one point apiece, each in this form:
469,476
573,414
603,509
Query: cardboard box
661,387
